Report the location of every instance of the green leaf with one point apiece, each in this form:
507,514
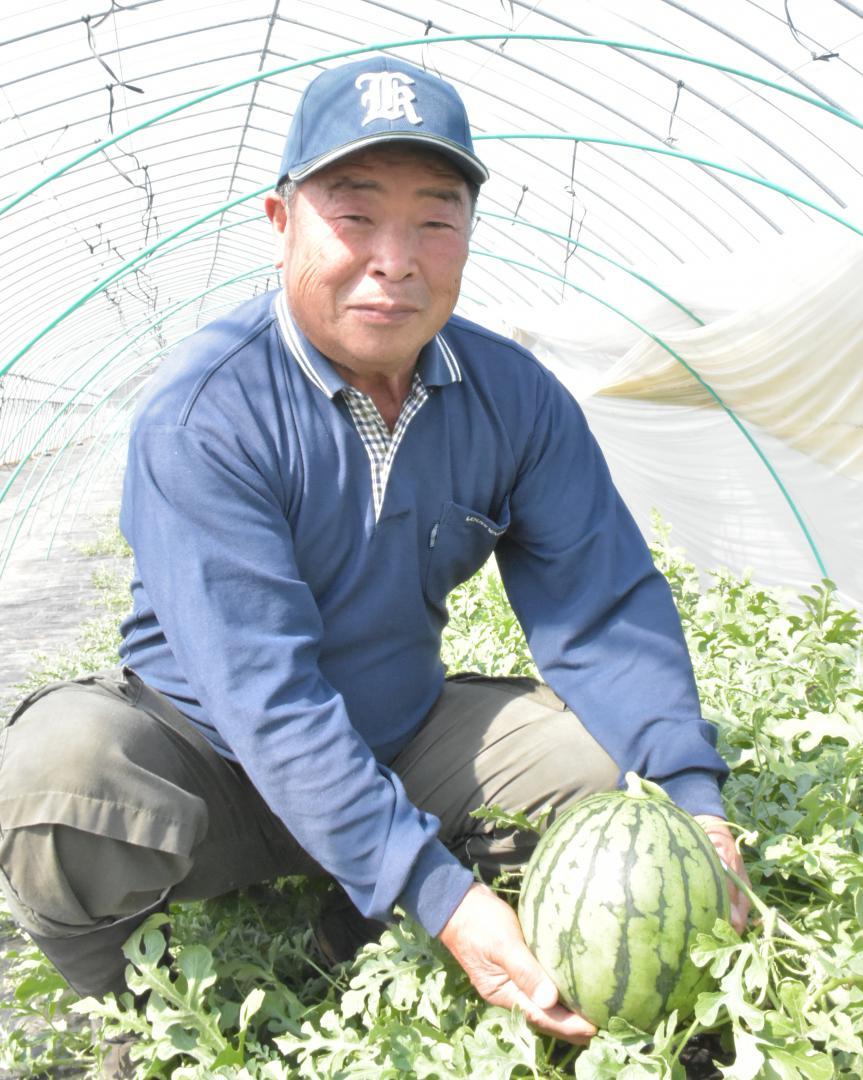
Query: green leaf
251,1004
800,1061
708,1008
40,982
748,1058
601,1060
246,998
503,819
195,963
146,946
499,1044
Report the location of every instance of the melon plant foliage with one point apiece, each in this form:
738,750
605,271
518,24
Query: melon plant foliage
781,676
613,899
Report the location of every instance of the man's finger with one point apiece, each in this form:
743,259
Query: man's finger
544,994
721,838
529,977
557,1020
537,996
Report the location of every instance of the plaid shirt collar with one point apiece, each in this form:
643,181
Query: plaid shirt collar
437,364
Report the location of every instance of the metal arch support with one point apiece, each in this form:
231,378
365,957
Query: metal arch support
607,258
85,419
757,133
667,152
270,24
378,46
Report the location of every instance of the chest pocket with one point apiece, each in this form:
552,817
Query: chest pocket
460,543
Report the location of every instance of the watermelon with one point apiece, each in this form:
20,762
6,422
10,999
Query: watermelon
611,902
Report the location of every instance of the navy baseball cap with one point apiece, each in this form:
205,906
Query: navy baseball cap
374,101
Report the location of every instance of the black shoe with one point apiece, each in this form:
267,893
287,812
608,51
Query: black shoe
341,931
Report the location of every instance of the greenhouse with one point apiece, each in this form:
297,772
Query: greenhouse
673,227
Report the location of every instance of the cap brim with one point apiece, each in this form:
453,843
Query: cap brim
457,154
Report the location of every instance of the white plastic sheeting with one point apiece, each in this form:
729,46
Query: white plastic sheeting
746,433
635,146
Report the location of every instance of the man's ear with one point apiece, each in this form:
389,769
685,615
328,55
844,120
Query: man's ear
277,212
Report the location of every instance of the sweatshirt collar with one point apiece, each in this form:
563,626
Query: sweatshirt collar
437,364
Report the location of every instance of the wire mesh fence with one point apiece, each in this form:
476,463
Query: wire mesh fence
27,405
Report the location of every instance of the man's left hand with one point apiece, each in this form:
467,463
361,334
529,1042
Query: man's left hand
721,838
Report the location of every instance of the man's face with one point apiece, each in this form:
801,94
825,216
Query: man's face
373,249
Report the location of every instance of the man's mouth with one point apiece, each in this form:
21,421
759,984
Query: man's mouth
384,312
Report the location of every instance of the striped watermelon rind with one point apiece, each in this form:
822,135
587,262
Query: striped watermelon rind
612,900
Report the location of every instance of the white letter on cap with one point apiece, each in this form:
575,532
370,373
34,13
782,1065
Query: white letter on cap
388,97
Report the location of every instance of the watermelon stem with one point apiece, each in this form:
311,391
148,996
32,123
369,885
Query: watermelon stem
843,982
639,788
568,1057
687,1035
771,915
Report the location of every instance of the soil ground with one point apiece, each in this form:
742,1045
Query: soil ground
46,585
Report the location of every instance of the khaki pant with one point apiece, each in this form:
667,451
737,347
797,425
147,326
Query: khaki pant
112,804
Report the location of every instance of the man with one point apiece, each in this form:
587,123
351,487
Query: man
308,478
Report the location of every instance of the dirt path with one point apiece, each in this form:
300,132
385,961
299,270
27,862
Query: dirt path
46,585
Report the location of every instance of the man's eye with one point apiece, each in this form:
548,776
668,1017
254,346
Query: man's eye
438,225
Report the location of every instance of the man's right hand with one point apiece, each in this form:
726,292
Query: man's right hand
484,935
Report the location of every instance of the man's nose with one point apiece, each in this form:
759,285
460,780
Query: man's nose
393,253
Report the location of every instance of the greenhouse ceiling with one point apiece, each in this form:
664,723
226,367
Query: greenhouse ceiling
674,223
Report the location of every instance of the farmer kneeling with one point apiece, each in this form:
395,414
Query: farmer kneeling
308,478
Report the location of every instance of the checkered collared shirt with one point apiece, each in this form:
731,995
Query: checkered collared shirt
381,446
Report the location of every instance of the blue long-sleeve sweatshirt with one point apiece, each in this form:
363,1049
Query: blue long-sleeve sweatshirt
301,634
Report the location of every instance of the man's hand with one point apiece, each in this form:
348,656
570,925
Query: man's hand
721,838
483,934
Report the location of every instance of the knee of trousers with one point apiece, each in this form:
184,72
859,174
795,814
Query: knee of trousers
535,753
509,743
558,763
574,764
93,822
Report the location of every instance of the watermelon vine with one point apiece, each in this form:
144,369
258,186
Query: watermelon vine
781,676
